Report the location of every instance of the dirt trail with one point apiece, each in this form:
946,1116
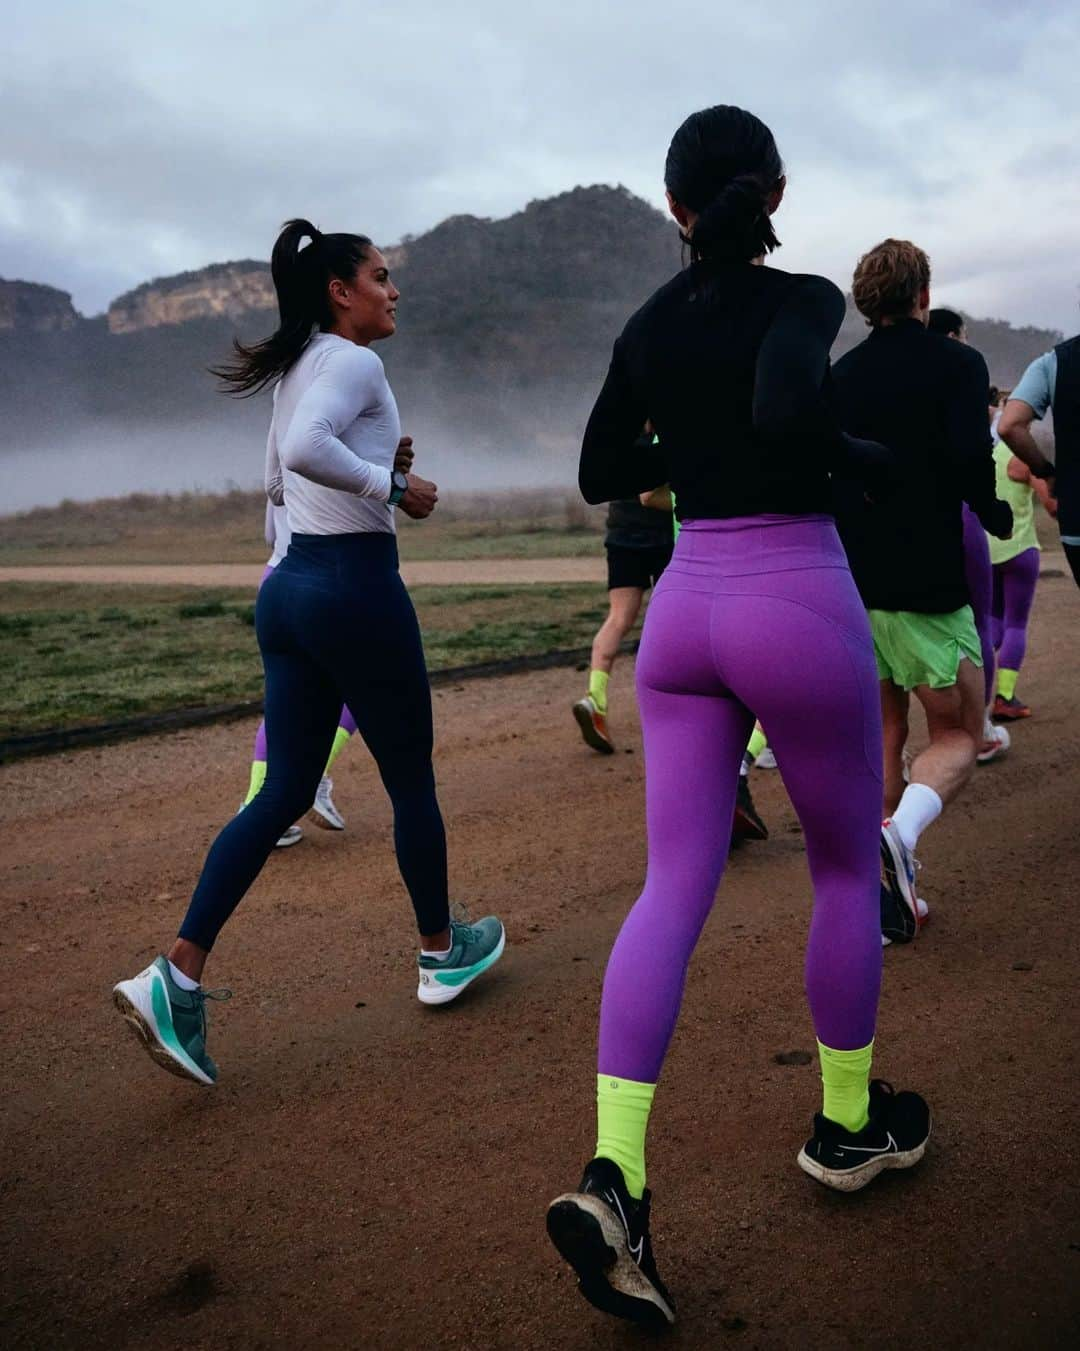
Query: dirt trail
439,572
371,1174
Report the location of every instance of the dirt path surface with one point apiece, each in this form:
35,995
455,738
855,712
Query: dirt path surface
373,1174
446,572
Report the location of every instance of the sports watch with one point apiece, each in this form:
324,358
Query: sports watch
399,486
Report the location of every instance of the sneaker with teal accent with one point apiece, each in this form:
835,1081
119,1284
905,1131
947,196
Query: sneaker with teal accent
170,1022
473,948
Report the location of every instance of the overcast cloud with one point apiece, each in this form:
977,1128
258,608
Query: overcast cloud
142,139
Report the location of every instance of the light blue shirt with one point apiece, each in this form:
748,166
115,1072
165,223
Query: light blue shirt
1038,383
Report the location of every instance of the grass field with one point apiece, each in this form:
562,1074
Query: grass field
228,528
72,655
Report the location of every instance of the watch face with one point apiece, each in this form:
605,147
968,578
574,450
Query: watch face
400,482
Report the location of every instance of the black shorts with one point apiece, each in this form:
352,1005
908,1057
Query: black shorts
636,567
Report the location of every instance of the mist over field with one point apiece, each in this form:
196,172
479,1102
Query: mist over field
114,459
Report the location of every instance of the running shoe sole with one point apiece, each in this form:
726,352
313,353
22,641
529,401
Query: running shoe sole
591,1239
161,1045
442,992
1010,714
583,718
323,819
854,1179
896,877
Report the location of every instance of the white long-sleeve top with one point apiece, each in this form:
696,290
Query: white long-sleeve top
277,532
333,436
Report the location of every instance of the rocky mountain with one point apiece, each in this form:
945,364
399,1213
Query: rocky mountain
506,329
225,290
30,307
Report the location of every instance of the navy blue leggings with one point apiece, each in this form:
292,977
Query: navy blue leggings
335,626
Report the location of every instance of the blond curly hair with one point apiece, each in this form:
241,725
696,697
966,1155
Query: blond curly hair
888,280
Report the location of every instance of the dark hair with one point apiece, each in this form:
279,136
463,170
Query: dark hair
946,322
301,276
889,279
723,163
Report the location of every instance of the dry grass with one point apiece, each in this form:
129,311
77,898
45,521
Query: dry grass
228,528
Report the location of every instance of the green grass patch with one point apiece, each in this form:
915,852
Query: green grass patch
75,655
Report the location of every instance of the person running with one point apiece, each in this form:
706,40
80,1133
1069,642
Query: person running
335,625
756,614
1051,382
1015,575
324,811
925,397
638,543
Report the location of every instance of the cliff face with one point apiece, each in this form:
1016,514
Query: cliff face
30,307
225,290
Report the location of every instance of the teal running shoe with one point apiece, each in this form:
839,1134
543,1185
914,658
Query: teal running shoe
170,1022
473,948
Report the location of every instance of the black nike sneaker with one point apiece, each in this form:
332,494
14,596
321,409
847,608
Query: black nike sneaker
747,825
894,1137
604,1234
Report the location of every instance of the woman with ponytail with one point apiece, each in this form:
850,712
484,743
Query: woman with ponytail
756,616
335,627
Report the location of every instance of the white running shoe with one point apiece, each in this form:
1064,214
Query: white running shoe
997,744
766,760
323,811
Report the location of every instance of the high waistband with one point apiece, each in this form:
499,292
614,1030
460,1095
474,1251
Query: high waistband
738,546
367,550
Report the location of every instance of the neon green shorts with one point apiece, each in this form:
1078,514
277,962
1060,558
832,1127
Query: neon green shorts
916,649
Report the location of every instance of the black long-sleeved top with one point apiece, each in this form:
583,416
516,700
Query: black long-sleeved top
730,363
925,397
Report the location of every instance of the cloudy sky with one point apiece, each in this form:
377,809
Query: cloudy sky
142,138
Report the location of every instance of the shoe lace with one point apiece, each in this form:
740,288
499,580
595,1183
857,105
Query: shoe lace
201,996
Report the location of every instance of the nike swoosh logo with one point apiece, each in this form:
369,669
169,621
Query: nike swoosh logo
865,1149
634,1251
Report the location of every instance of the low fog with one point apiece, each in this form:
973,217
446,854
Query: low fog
112,460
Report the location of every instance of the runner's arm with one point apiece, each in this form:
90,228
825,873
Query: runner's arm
273,480
1015,430
347,383
793,401
616,460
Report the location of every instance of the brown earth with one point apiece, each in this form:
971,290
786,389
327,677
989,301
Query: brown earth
437,572
372,1174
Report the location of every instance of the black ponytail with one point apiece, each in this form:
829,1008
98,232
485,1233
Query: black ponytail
301,277
723,164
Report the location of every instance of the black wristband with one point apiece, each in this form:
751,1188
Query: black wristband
1048,472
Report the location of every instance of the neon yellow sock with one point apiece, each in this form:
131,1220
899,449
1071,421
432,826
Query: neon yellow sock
845,1076
258,778
598,689
1007,682
341,738
622,1117
758,741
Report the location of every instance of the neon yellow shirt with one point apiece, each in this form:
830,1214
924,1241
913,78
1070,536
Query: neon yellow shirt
1021,497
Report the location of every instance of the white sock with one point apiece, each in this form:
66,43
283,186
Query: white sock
185,982
437,956
744,768
918,807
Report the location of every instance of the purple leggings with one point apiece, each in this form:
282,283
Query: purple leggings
1014,592
754,617
346,721
981,589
